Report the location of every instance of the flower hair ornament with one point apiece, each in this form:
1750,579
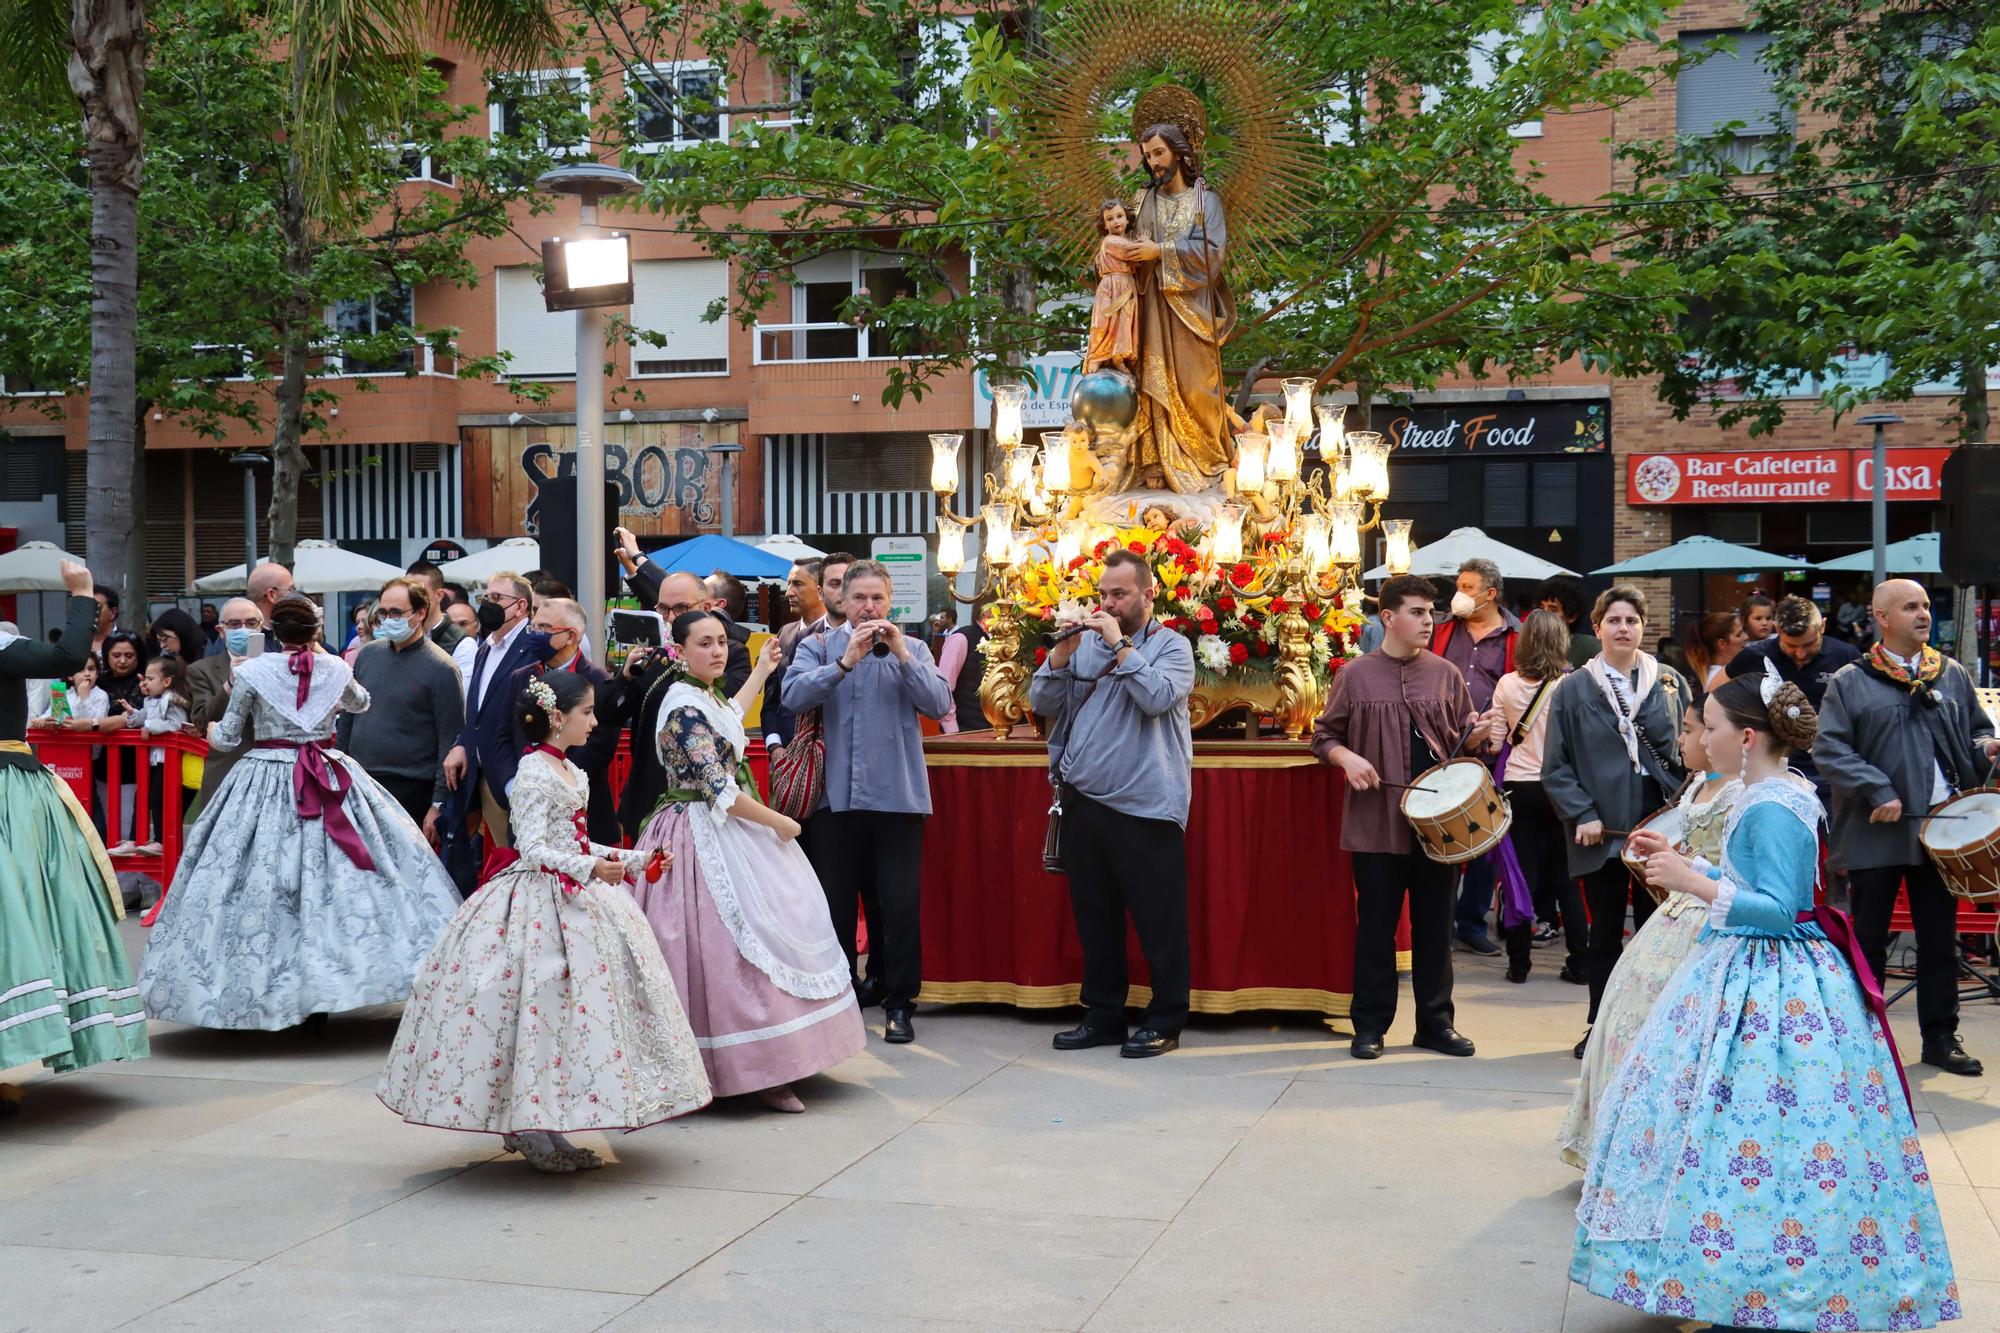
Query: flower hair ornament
543,696
1769,686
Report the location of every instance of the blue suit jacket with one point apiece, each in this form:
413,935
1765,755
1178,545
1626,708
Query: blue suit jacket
488,737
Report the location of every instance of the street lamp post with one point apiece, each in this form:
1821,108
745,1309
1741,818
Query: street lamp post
587,274
1879,492
725,452
249,460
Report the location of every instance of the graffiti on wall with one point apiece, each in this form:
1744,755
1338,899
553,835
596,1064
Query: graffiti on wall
651,479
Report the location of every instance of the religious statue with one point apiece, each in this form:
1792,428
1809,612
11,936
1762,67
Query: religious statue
1114,314
1182,435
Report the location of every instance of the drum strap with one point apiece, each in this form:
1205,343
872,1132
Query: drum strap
1531,712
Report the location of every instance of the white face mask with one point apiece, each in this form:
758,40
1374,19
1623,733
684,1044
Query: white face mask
1462,605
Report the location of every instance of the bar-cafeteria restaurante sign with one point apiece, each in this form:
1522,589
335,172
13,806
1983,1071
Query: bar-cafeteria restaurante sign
1779,476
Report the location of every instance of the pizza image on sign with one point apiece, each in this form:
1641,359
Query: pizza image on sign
1656,479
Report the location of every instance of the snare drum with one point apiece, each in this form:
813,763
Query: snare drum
1457,811
1667,821
1966,850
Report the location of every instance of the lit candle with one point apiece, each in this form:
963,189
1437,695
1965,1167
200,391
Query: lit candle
1332,430
944,462
1368,466
1344,536
1282,464
1021,469
1228,534
1341,483
1069,541
1007,402
999,534
1313,543
1396,538
1055,461
1251,451
1299,405
951,544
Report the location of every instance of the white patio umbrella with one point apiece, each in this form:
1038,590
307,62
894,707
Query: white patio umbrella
1443,557
787,547
516,555
34,567
317,567
1912,555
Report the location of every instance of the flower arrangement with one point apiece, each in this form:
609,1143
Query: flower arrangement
1229,614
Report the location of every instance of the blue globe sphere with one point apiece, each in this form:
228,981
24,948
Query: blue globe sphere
1106,398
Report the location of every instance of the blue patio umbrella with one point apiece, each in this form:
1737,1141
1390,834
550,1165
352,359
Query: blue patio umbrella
1700,555
1912,555
707,553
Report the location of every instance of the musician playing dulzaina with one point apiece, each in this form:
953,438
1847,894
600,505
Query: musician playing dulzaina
1391,714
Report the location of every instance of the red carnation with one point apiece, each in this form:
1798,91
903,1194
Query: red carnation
1252,624
1048,613
1136,548
1225,604
1238,654
1041,654
1204,615
1099,549
1241,575
1311,611
1263,649
1279,606
1079,562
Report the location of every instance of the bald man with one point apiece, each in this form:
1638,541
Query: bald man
1901,730
242,624
268,582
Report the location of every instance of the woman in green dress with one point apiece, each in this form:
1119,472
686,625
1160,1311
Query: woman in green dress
67,996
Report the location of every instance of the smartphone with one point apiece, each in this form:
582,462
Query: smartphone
637,629
256,648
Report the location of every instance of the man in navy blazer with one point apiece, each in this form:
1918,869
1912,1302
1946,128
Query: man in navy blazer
557,631
485,757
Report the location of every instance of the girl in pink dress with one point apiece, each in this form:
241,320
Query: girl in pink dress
738,912
1114,315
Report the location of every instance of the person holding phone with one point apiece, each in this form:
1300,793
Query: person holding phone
209,683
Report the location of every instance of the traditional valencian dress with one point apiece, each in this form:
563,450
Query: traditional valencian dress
304,889
546,1005
1648,963
66,992
740,916
1755,1162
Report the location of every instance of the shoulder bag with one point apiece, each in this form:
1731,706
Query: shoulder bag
798,776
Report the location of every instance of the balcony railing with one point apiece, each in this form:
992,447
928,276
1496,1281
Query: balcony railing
789,344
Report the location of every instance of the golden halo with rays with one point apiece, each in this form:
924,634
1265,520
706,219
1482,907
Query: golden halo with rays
1248,124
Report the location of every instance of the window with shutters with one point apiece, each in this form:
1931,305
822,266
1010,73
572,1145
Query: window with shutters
30,469
521,105
1420,483
1729,96
890,461
1554,496
1745,527
538,345
671,299
1503,495
1840,525
675,104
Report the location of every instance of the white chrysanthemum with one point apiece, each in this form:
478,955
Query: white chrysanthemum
1213,652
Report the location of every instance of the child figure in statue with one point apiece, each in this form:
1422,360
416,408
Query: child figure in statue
1114,314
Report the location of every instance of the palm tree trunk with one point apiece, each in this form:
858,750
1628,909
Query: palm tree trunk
107,72
288,455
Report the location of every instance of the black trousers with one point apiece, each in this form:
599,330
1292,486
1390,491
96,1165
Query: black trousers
1120,864
1381,879
1934,912
874,858
1607,889
413,794
1542,845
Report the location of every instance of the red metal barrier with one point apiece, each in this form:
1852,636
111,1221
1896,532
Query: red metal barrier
67,753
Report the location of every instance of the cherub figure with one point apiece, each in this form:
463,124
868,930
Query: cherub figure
1114,314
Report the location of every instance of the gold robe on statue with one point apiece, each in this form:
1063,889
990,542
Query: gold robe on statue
1185,315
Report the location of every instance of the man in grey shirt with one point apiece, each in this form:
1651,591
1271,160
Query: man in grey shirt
418,710
1123,755
866,841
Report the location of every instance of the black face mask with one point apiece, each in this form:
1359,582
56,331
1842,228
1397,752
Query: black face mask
491,617
540,646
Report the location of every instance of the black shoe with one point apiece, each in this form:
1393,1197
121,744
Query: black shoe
1517,972
896,1027
1573,976
1476,940
869,993
1445,1041
1089,1033
1581,1042
1148,1042
1366,1046
1945,1053
1545,931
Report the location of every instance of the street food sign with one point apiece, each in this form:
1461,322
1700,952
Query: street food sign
1780,476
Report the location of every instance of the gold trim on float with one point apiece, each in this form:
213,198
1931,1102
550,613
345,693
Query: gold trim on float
1332,1004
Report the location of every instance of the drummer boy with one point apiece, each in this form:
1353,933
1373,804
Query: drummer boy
1392,714
1901,731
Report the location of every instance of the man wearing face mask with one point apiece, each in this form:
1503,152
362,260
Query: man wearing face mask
554,645
208,690
486,744
1479,640
418,711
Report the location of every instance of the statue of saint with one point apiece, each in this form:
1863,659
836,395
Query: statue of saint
1182,438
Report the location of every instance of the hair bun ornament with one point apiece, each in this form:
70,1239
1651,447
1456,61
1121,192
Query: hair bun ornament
544,697
1792,711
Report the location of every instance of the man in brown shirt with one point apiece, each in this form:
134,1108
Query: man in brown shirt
1390,715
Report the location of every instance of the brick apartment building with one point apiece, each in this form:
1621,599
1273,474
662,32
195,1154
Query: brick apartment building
1548,465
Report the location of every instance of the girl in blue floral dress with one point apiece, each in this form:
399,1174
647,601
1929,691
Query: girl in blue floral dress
1755,1162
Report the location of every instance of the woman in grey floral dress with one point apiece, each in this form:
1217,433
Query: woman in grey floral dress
304,888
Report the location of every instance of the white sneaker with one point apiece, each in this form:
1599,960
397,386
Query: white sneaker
150,849
126,848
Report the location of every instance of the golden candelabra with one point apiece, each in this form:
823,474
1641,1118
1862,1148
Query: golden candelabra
1286,535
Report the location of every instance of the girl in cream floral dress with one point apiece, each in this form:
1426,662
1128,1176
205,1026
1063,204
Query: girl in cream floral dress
545,1007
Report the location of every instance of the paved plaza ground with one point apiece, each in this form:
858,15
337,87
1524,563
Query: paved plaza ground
1259,1179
